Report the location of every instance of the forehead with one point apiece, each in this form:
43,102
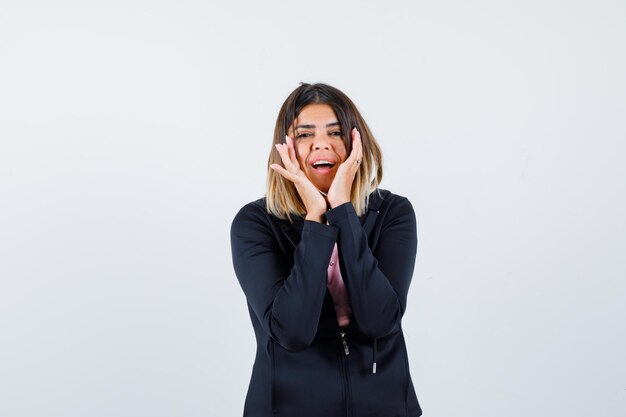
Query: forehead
316,114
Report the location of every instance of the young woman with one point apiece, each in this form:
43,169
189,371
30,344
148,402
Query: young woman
325,261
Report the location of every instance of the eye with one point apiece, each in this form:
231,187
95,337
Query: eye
336,133
302,135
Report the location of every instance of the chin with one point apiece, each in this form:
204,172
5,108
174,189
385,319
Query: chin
323,186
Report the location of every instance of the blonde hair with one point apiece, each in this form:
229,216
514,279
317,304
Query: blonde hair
282,198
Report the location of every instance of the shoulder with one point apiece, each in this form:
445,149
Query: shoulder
396,214
255,206
252,216
385,200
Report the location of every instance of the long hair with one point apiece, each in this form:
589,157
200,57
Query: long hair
281,195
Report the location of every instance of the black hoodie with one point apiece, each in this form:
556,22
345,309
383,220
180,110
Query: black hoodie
306,365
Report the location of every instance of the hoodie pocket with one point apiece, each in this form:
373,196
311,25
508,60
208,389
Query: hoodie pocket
386,392
308,383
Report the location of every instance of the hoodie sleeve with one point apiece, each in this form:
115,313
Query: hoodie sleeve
287,302
378,282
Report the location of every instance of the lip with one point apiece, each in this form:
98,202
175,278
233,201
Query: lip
323,170
329,158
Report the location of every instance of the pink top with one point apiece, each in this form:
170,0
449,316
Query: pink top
338,290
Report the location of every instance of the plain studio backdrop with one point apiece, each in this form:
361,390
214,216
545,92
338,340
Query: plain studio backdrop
131,132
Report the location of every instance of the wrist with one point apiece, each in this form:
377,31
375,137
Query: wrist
315,217
338,202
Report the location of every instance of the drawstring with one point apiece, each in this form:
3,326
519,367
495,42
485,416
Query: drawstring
374,210
374,357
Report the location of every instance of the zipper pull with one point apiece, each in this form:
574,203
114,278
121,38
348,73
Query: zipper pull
345,344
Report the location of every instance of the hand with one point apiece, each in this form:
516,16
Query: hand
313,200
340,189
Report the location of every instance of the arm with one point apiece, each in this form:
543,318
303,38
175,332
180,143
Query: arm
378,282
287,303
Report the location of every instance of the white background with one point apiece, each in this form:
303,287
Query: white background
131,132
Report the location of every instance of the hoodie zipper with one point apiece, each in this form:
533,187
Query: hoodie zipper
345,364
344,343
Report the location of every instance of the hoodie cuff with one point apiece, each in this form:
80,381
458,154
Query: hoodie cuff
336,214
320,229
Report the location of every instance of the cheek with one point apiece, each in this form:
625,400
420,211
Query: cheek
301,155
343,152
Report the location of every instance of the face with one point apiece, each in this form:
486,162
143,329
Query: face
319,144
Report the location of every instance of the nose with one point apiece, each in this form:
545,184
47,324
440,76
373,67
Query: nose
321,142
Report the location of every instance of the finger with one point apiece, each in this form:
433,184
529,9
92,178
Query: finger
359,146
350,158
357,150
292,151
354,153
284,156
282,171
281,152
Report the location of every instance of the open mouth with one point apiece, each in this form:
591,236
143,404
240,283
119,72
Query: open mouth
322,163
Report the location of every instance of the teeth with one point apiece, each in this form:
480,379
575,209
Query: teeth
322,162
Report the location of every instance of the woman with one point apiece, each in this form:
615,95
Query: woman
325,261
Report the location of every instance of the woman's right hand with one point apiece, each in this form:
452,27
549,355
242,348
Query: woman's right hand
313,200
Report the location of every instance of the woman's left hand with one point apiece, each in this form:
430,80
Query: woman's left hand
340,189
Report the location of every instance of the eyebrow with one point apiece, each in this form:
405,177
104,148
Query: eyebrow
313,126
